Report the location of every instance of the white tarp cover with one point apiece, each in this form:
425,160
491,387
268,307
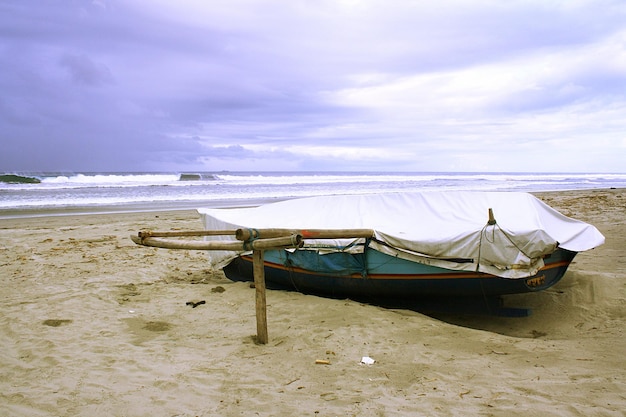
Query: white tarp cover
427,227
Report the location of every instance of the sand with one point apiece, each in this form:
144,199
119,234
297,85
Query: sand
93,325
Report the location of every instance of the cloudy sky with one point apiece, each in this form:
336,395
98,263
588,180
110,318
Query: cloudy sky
392,85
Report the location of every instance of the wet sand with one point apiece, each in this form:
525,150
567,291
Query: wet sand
92,324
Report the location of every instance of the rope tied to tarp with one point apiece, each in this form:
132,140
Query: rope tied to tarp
492,222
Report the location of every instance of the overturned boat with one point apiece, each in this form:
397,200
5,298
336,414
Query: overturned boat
406,245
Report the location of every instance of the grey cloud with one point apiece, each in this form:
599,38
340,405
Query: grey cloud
116,84
85,71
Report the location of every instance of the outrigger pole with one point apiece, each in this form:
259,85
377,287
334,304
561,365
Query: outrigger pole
255,240
158,239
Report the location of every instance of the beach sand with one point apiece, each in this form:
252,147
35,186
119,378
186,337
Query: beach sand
94,325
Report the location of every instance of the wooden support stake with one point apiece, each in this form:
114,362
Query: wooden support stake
261,306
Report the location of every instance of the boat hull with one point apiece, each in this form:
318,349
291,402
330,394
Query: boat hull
374,275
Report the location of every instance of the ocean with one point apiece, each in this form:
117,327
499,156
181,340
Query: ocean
31,194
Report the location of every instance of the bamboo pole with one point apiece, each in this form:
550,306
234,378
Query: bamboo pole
248,234
151,233
232,245
260,301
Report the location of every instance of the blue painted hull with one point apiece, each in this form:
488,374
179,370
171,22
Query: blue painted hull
374,275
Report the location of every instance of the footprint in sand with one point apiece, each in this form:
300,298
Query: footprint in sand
56,322
157,326
143,330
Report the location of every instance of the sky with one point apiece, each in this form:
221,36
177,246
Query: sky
313,85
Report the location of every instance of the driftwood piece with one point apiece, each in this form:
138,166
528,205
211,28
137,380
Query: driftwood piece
233,245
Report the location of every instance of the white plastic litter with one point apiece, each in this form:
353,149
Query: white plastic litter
367,360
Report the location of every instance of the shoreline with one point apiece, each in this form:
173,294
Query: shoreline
16,213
